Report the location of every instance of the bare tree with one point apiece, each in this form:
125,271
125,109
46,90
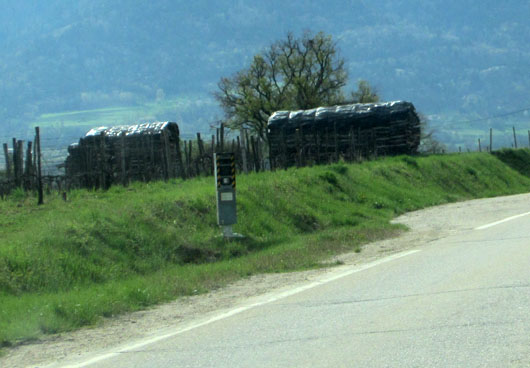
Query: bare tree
428,144
295,73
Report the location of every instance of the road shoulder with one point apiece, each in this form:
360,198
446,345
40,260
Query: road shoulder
425,226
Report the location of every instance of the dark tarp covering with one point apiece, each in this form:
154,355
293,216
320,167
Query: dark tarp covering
362,115
388,128
118,154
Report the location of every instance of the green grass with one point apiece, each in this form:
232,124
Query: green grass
118,115
65,264
518,160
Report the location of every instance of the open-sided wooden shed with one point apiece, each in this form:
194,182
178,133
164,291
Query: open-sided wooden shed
119,154
350,131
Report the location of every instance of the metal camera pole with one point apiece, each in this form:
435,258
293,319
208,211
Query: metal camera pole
225,180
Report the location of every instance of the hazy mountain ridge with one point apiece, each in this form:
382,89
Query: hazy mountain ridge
445,56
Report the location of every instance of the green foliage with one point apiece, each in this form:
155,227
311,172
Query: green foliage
44,70
518,160
290,74
65,264
364,94
428,143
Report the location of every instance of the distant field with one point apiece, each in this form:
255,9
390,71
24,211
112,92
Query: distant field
106,116
188,111
58,130
456,134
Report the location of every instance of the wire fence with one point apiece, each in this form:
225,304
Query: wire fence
103,163
187,158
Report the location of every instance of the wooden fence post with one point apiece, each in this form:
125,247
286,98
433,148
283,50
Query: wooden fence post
258,154
28,174
491,140
336,142
352,144
248,148
182,172
8,162
197,166
514,137
123,168
222,137
187,158
303,151
190,153
326,146
19,159
151,169
374,141
103,161
169,171
200,144
34,159
318,144
272,162
359,144
283,149
298,149
255,153
93,160
217,145
479,147
211,155
39,166
15,163
239,157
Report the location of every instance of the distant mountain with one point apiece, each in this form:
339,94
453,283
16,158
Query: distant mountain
448,57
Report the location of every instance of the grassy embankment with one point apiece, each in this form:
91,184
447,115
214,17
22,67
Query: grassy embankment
65,264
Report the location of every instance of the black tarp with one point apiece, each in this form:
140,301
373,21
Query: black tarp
122,153
387,128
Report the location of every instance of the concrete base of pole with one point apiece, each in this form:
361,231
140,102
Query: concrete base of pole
229,234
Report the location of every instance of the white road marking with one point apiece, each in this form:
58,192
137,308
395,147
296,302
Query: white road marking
501,221
269,299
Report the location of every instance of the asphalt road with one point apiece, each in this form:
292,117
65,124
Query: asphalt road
462,301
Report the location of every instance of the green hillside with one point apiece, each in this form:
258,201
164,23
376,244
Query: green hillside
65,264
455,60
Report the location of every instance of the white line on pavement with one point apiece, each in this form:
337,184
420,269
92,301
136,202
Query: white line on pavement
501,221
272,298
